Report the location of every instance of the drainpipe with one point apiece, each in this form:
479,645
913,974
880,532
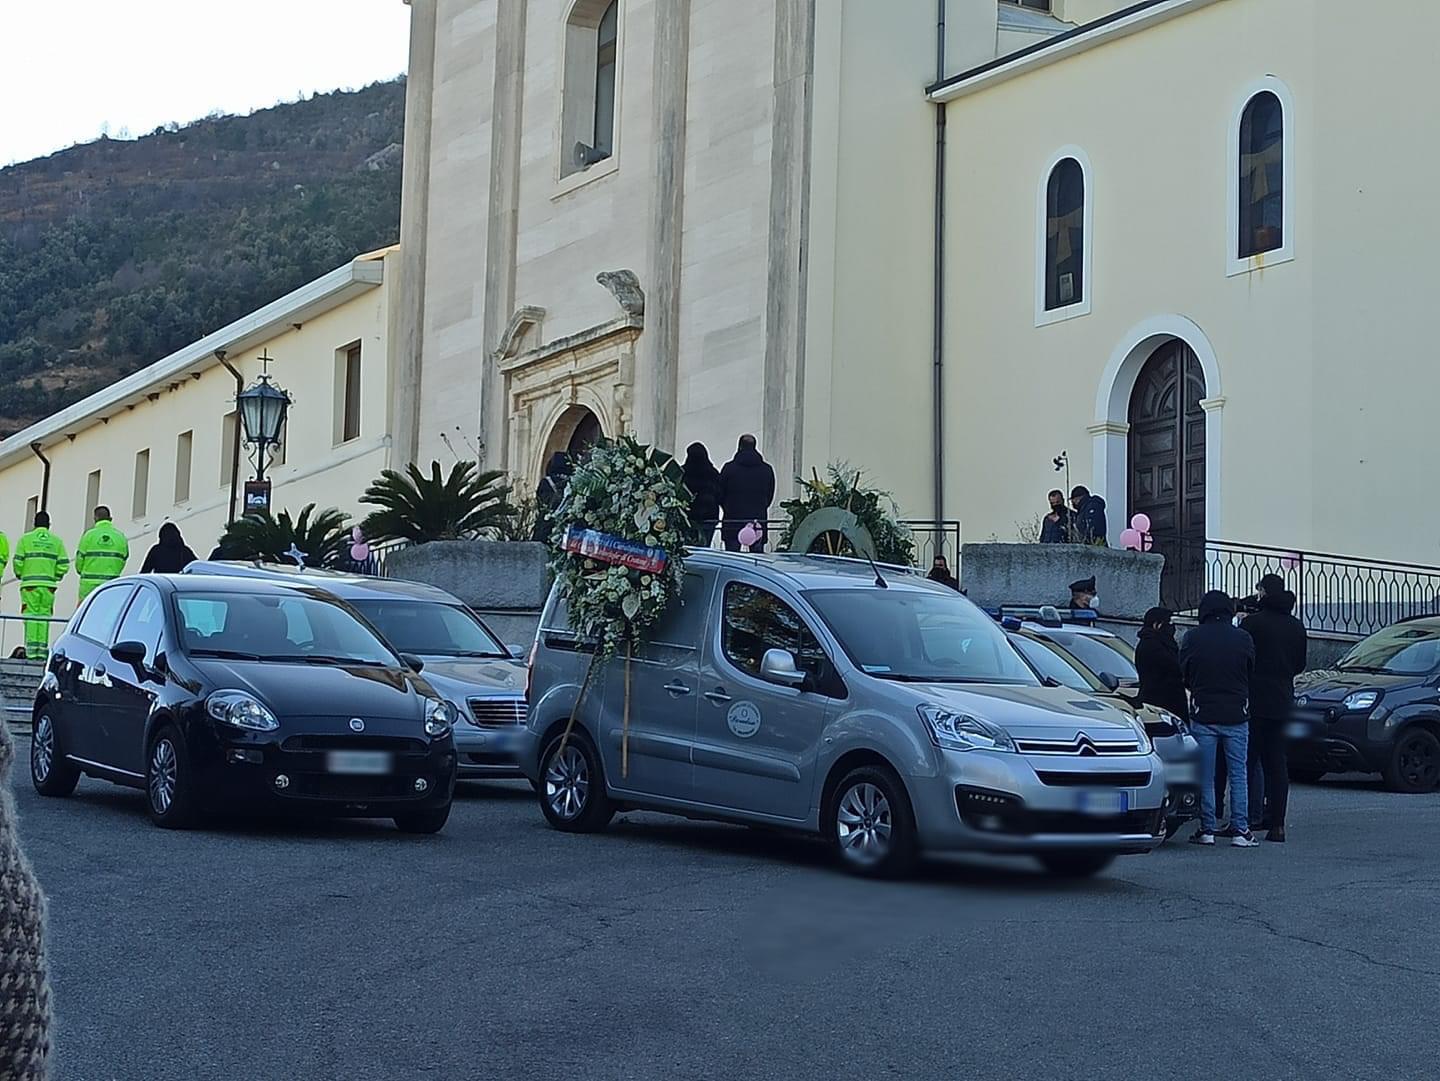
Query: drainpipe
45,481
938,329
235,451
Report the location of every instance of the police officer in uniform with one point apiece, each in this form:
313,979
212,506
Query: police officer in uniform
40,562
101,554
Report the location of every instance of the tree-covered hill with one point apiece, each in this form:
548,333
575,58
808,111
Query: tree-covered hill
117,252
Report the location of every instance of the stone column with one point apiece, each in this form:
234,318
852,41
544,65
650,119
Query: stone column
790,152
505,132
407,340
660,379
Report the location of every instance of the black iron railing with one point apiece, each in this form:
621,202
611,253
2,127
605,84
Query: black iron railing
1342,595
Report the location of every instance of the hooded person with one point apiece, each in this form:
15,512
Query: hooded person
1157,660
702,480
169,554
24,991
548,494
747,488
1217,660
1087,524
1281,646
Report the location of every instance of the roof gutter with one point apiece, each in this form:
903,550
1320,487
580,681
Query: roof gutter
220,355
1091,35
39,452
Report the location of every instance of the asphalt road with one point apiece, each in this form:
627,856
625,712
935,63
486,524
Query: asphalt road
668,949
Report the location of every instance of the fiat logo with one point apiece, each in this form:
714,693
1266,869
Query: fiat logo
356,724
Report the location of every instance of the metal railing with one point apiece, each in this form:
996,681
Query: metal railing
931,538
1341,595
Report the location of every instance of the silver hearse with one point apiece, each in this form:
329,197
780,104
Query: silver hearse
882,711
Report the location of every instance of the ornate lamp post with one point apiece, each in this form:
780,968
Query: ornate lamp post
262,407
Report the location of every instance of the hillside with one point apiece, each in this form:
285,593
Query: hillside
115,253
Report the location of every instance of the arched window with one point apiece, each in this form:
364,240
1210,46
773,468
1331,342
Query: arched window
587,124
1261,194
1065,235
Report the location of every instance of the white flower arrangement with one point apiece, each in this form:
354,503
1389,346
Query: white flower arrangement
630,492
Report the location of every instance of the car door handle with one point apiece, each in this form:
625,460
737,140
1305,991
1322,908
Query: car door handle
57,655
676,689
718,696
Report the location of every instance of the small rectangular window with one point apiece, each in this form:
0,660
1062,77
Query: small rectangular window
229,433
92,496
347,393
32,508
140,501
184,446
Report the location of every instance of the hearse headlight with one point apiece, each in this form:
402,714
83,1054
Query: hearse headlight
1362,701
241,710
439,717
958,731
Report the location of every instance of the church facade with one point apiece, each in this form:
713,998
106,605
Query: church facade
1182,241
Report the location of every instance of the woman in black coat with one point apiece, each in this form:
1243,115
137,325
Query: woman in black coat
1157,659
703,481
170,554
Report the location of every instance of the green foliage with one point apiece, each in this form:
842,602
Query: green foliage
463,503
624,489
116,253
875,509
520,525
323,537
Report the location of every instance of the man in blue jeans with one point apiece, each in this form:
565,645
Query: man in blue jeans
1217,660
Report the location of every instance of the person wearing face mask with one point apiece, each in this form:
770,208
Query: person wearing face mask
1157,660
1083,594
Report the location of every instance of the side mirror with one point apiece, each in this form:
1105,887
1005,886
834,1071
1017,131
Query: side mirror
1111,683
517,652
778,666
131,653
412,662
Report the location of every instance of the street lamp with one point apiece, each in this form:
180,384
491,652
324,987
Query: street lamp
262,407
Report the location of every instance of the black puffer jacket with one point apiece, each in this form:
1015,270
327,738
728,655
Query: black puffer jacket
1157,659
703,481
747,487
1280,648
1217,660
168,555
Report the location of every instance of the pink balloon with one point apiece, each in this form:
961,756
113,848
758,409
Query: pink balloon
1140,523
1130,539
360,552
749,534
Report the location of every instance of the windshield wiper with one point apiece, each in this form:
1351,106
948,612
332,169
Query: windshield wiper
1363,668
325,658
487,653
228,654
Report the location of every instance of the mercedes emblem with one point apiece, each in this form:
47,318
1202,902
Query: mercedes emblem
356,724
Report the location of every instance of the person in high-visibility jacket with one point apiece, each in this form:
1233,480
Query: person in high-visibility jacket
40,562
101,554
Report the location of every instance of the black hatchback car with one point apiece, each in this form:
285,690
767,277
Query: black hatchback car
1376,711
234,694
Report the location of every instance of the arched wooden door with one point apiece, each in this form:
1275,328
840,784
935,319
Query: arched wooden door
1167,466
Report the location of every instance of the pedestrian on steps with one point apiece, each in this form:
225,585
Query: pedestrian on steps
169,554
102,553
747,488
40,562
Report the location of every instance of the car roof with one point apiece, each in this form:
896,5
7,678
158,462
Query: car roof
350,587
215,583
811,571
1070,628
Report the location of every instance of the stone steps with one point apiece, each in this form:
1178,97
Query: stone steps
18,681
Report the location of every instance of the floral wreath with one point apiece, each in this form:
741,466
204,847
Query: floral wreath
874,509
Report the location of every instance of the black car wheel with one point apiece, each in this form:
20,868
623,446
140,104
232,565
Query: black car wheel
1306,776
430,821
1082,864
870,825
1415,762
51,772
169,790
572,786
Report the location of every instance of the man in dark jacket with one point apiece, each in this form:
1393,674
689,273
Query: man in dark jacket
747,488
940,572
1217,661
1157,660
1280,649
1087,524
1055,526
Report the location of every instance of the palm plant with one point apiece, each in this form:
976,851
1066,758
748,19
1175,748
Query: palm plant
465,503
324,538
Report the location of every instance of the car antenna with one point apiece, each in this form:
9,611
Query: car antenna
879,578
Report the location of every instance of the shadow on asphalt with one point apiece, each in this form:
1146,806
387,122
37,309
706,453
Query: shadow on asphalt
500,791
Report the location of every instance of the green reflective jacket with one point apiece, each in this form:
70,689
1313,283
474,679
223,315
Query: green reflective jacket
4,551
40,558
101,553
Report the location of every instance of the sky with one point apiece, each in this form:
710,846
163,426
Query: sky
72,69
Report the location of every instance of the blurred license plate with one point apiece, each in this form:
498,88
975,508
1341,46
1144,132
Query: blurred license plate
367,762
1103,803
1182,773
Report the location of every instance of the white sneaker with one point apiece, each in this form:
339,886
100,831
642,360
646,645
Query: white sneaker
1245,840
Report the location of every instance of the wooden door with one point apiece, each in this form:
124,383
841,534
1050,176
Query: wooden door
1167,466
